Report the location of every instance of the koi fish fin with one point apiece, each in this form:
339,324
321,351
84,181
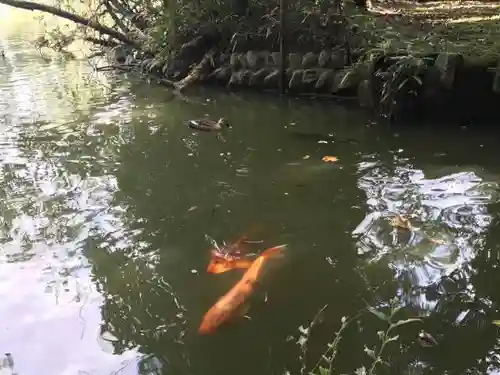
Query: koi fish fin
274,252
241,240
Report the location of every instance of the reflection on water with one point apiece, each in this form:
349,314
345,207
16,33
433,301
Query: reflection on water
449,216
108,200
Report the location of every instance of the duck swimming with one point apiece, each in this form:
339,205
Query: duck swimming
208,125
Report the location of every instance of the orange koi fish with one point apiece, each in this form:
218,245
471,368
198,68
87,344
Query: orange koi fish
229,257
233,302
221,265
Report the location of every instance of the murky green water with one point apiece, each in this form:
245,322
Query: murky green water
108,204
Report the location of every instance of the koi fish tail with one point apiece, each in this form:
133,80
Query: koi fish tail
274,252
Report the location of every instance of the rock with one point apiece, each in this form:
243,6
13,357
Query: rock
272,80
365,95
310,76
325,80
496,80
257,60
295,82
310,60
258,77
223,75
448,63
251,59
263,59
276,58
324,58
243,60
344,79
338,59
234,61
223,59
294,60
235,79
240,78
245,77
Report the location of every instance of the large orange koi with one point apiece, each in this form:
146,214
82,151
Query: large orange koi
233,302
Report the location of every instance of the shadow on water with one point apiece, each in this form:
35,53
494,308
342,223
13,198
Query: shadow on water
108,201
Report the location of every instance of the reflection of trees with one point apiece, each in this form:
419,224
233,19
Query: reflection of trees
451,280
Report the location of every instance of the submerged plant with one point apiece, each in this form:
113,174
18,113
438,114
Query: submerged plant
325,364
385,337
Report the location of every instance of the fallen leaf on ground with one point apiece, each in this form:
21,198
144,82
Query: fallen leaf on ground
329,159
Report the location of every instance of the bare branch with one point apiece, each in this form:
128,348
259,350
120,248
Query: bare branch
29,5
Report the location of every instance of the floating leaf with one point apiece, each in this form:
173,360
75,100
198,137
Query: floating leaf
329,159
405,321
437,241
400,221
323,370
496,322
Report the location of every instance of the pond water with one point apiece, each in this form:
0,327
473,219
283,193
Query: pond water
109,204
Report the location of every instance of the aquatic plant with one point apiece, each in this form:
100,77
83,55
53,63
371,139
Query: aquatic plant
325,364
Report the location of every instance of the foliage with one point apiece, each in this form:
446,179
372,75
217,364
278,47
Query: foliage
325,364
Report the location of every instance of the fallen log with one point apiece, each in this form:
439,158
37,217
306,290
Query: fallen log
198,72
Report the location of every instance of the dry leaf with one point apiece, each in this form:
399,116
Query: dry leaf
400,222
329,159
437,241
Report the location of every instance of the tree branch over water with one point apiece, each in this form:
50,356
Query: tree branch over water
29,5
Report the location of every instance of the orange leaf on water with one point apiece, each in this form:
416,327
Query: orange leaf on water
330,159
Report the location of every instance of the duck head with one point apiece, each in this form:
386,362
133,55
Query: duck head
223,123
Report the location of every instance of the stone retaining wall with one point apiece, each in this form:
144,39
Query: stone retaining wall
310,72
396,86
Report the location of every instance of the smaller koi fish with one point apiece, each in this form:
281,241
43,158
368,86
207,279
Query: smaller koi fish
229,257
233,303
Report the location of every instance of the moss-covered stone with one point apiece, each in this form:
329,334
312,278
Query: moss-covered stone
325,80
295,82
